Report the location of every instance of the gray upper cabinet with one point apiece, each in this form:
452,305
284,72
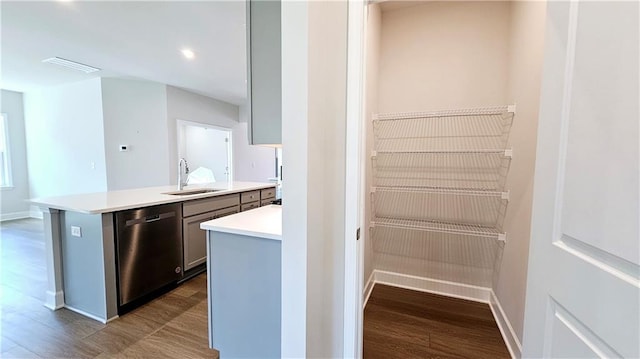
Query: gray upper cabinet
264,67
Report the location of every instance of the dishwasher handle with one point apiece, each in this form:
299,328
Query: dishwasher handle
150,219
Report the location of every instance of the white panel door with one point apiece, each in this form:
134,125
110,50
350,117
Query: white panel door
583,289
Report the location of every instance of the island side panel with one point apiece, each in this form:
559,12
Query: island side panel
83,265
245,298
109,258
54,297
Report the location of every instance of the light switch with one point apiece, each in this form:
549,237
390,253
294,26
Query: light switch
76,231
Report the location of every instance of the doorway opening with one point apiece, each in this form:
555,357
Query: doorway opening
207,150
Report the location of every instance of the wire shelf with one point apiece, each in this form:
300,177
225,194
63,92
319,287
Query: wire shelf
478,111
471,129
471,170
434,248
438,192
440,227
483,208
453,191
440,175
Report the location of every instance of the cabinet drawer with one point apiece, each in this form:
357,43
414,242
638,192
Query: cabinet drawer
268,193
266,202
246,197
227,211
198,206
248,206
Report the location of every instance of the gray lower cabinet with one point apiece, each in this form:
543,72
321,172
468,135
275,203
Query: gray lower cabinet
194,239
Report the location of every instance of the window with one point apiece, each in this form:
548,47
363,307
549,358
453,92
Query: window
5,160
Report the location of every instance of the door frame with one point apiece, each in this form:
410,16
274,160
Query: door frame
354,177
179,134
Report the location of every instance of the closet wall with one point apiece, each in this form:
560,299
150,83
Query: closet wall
450,55
443,55
525,71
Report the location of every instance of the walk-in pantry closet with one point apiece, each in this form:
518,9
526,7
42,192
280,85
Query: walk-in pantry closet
451,103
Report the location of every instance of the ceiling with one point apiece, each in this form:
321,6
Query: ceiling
127,39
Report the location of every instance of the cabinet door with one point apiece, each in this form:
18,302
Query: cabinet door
195,240
264,77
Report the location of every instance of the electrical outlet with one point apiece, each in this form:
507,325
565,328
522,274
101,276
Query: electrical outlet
76,231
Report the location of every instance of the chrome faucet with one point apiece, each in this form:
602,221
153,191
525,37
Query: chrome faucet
182,183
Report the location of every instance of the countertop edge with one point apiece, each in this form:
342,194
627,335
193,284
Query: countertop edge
264,222
248,233
42,202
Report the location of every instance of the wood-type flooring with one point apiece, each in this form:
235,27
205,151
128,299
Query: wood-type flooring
402,323
398,323
172,326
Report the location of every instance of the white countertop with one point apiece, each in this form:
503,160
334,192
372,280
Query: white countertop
264,222
105,202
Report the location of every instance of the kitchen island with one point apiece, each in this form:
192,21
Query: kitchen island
81,236
244,283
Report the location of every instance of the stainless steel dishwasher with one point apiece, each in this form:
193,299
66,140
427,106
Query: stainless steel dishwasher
149,250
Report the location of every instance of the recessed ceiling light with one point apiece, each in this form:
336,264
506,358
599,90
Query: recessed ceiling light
188,53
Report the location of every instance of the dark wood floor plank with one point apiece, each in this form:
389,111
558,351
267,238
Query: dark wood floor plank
123,333
65,321
177,343
447,325
165,308
42,340
401,323
489,348
19,352
6,344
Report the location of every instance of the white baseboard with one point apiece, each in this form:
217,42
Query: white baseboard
435,286
88,315
36,214
54,300
368,289
508,334
14,215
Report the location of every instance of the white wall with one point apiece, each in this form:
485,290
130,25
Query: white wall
525,69
135,114
251,163
65,139
295,148
372,56
326,177
14,200
445,54
188,106
441,55
313,134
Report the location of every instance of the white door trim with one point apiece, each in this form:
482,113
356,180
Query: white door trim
179,131
353,263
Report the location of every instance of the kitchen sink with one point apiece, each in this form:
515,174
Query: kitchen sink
187,192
